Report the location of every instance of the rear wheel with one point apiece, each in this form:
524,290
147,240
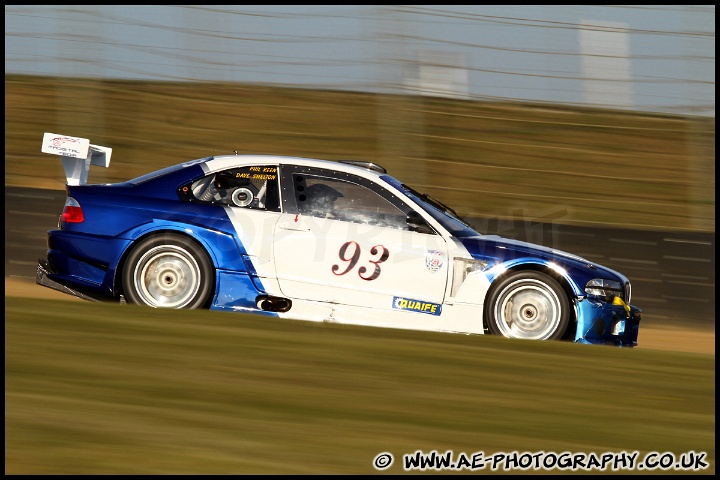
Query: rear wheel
168,271
528,305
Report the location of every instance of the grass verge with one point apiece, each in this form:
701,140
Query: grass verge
120,389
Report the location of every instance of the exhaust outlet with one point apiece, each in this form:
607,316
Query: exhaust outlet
274,304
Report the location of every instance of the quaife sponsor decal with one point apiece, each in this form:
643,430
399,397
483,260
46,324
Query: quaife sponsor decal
401,303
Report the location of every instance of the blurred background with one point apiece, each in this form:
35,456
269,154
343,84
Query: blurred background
651,58
586,115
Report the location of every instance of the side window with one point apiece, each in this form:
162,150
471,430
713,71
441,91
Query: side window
336,199
254,187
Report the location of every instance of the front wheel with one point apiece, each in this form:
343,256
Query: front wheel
168,271
528,305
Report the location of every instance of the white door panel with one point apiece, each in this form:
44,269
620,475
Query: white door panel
354,264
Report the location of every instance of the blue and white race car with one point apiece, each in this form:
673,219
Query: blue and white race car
316,240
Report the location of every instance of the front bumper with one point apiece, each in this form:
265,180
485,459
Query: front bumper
606,323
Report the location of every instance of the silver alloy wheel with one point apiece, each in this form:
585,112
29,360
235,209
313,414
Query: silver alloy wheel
167,276
529,309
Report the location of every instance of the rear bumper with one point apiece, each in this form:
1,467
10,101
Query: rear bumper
44,277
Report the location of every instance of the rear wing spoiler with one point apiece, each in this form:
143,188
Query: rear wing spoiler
77,155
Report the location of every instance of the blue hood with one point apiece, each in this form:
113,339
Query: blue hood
497,250
494,246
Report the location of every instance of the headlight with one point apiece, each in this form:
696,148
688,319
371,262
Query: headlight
601,287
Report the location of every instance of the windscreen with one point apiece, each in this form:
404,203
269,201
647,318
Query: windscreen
447,217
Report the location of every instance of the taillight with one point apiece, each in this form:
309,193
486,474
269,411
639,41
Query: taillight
72,212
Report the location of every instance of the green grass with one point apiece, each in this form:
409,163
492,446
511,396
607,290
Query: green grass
487,159
121,389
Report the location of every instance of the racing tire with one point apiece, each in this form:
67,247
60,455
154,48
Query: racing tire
528,305
168,271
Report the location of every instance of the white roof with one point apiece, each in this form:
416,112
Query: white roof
227,161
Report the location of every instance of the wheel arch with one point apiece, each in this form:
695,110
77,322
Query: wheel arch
565,283
201,242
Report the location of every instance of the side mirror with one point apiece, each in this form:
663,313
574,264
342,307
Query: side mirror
417,223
